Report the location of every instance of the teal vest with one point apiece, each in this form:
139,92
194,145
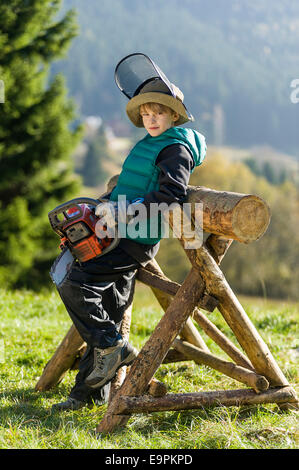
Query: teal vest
140,174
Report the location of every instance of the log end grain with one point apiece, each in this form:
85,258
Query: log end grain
156,388
261,384
250,219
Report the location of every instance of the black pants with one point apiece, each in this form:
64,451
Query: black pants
96,295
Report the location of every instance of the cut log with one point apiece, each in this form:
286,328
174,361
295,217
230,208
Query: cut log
188,401
156,388
232,215
242,217
253,380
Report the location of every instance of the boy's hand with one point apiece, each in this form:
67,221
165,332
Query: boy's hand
107,209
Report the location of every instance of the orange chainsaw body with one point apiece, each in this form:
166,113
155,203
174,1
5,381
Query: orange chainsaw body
77,228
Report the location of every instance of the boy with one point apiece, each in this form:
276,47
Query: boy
157,170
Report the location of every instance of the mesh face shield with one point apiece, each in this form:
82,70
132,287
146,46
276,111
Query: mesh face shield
137,73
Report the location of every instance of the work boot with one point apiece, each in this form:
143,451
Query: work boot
71,404
108,361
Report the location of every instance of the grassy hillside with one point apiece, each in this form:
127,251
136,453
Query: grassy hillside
32,325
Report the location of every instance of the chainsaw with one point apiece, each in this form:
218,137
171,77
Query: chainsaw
75,222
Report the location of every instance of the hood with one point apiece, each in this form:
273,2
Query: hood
195,141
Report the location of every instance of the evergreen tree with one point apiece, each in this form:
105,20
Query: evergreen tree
253,165
269,173
35,137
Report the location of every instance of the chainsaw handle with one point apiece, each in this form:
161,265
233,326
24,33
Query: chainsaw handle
58,225
63,208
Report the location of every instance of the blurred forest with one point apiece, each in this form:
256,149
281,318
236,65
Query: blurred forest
234,61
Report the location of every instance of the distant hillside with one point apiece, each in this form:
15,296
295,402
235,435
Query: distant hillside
276,167
261,159
234,61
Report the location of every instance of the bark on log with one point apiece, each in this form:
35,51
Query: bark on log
217,246
210,329
188,331
189,401
253,380
170,287
219,249
242,217
213,280
155,349
236,317
158,281
174,356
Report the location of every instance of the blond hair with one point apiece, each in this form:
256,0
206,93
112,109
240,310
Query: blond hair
156,108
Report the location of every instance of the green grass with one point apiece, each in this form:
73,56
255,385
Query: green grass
32,326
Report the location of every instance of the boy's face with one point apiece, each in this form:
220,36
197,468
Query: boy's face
158,121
